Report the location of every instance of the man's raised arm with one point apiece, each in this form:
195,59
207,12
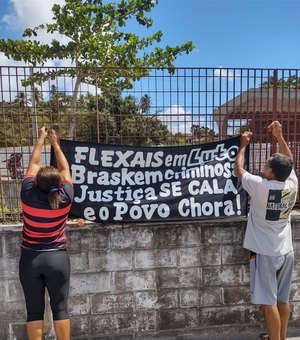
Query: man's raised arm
240,157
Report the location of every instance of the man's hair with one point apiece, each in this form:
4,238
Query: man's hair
281,166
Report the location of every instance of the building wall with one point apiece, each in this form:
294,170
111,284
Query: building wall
141,281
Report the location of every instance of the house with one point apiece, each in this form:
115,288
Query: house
256,107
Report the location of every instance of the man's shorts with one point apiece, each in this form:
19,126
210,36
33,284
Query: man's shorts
270,278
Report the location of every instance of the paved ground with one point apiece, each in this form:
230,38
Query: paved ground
219,333
237,332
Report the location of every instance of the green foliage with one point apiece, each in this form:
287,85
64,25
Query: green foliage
56,108
177,139
96,37
202,134
109,118
12,118
11,215
121,120
292,82
143,130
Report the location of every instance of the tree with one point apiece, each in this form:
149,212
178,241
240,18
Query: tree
14,122
144,130
55,108
21,99
292,82
96,38
123,120
202,134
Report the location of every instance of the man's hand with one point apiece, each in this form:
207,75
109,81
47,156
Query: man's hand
53,137
245,139
276,128
42,134
240,157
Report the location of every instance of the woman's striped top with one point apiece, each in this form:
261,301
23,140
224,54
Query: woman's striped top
44,228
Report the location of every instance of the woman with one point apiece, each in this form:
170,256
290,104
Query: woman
46,196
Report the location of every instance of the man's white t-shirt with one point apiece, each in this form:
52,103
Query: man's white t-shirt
269,224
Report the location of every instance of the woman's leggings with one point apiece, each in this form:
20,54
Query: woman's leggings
41,269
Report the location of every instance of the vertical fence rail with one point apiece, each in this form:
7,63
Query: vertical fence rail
274,116
140,107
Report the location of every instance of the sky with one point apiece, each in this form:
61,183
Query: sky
227,34
233,34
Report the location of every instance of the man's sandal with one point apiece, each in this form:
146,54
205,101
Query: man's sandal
264,336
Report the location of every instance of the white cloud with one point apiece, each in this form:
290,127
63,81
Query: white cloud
13,72
4,61
29,13
226,73
23,14
177,119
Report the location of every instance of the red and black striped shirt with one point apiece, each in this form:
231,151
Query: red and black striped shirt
44,227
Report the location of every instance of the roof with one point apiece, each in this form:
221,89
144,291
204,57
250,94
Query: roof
262,100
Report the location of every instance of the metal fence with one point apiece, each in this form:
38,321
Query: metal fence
140,106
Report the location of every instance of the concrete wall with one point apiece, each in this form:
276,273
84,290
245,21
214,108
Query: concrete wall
168,281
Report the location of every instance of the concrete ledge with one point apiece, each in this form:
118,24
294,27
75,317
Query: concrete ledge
176,281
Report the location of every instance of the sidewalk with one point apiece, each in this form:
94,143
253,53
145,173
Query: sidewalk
220,333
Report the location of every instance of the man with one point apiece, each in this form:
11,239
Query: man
268,234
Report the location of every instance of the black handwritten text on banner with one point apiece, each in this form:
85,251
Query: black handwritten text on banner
139,184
